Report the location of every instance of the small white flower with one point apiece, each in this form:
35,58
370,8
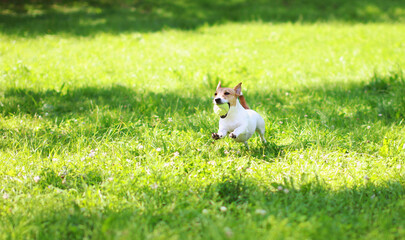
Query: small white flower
223,209
92,154
228,232
158,149
36,178
205,211
286,191
368,127
372,196
280,188
305,115
213,163
55,159
281,122
301,156
287,93
6,196
176,154
168,164
140,147
154,186
110,178
399,166
260,212
170,119
380,115
226,152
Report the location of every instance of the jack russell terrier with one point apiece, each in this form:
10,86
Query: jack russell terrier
240,121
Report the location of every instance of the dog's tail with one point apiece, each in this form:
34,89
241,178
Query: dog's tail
242,101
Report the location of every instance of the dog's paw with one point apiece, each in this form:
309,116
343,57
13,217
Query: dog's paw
215,136
232,135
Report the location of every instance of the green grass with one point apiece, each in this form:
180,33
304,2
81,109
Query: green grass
106,118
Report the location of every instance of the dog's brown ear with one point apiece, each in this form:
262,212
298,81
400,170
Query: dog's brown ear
219,85
238,89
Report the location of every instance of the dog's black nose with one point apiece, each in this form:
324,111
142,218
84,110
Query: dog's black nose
217,100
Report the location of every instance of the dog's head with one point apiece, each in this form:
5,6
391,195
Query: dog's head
227,95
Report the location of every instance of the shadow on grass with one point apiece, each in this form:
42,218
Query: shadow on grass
337,106
348,213
347,111
239,190
115,111
80,101
344,111
36,19
333,104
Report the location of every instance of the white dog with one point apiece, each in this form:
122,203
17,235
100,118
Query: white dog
240,121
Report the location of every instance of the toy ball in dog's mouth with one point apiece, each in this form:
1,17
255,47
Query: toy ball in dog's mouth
221,109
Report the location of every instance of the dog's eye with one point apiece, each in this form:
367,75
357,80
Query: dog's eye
215,94
226,93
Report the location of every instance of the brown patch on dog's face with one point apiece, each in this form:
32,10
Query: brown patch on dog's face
225,95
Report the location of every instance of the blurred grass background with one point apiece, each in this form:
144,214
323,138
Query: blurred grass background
32,18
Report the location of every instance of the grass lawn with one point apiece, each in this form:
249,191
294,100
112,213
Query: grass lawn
106,120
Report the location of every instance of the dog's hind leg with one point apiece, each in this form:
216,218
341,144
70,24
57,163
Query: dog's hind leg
262,136
260,129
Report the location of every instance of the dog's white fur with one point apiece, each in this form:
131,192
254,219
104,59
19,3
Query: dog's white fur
241,123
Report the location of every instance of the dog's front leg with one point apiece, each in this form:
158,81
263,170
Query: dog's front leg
221,134
239,130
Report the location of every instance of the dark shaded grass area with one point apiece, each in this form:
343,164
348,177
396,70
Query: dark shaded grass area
80,101
36,18
342,110
304,206
382,94
93,112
